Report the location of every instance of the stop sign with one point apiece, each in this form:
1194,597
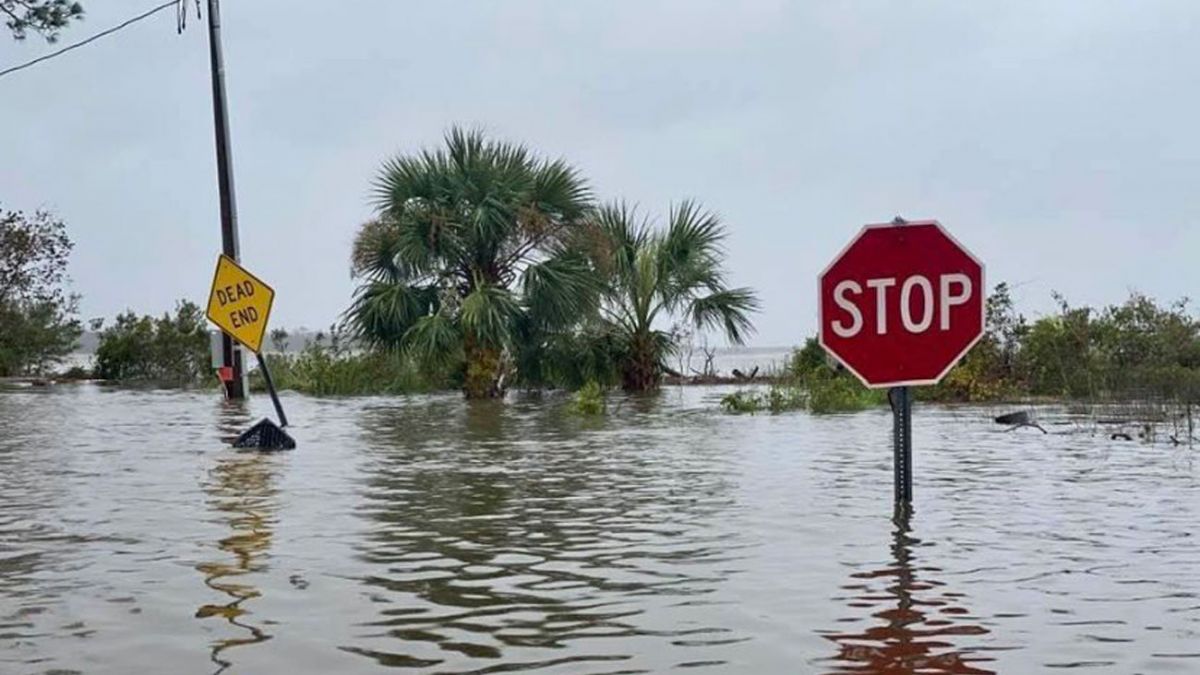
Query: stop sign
901,304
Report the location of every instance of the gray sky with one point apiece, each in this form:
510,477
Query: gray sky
1056,139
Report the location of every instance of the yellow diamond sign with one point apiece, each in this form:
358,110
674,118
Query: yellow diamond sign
240,303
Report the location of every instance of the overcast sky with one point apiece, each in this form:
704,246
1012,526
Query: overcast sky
1058,140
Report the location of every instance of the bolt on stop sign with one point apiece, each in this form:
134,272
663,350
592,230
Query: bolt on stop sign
901,304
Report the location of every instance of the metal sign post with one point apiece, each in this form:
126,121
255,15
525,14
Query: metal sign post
901,401
262,364
899,306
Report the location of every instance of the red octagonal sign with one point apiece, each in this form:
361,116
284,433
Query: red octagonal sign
901,304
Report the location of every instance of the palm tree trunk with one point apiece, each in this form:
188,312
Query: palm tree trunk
641,370
485,370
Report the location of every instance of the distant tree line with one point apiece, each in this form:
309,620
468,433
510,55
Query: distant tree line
487,267
1139,349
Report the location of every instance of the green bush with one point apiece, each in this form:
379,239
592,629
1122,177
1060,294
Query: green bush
809,380
36,335
568,359
742,401
1135,350
781,398
589,400
777,399
805,361
841,393
170,350
1132,350
331,369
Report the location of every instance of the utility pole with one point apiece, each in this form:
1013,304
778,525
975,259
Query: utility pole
231,355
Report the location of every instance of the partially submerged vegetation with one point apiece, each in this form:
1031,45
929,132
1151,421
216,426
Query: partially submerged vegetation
328,367
808,382
589,400
1135,351
653,275
170,350
471,259
38,324
494,264
488,267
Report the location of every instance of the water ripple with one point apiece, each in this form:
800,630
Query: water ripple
425,533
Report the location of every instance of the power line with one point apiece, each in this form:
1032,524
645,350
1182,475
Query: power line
97,36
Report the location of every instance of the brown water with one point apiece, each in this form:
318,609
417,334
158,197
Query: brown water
428,534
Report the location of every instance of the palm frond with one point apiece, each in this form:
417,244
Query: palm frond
426,238
559,192
690,259
692,231
561,290
489,314
383,311
434,340
405,179
728,310
373,255
619,233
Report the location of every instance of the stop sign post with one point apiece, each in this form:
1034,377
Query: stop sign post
899,306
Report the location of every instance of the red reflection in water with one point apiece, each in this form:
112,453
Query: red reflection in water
917,629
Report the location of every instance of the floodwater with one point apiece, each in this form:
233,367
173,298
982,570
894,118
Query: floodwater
429,535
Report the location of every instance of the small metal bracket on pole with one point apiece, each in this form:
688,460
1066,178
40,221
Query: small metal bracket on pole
901,401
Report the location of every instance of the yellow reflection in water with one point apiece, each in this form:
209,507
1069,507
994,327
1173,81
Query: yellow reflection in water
242,493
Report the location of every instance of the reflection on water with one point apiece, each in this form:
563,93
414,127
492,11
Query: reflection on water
919,619
429,534
242,494
512,551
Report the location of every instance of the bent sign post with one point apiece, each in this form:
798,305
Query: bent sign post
240,305
899,306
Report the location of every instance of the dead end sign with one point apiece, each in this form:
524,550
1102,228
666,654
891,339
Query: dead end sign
240,303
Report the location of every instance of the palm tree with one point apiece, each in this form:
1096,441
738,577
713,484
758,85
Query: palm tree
471,257
656,276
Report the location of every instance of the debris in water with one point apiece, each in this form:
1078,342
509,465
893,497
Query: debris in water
266,435
1019,419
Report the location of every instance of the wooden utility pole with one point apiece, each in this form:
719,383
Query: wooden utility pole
231,354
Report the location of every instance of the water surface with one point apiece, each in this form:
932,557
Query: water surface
431,535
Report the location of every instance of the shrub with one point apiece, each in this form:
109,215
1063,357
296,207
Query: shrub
810,380
589,400
777,399
170,350
331,369
841,394
742,401
1135,350
781,398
